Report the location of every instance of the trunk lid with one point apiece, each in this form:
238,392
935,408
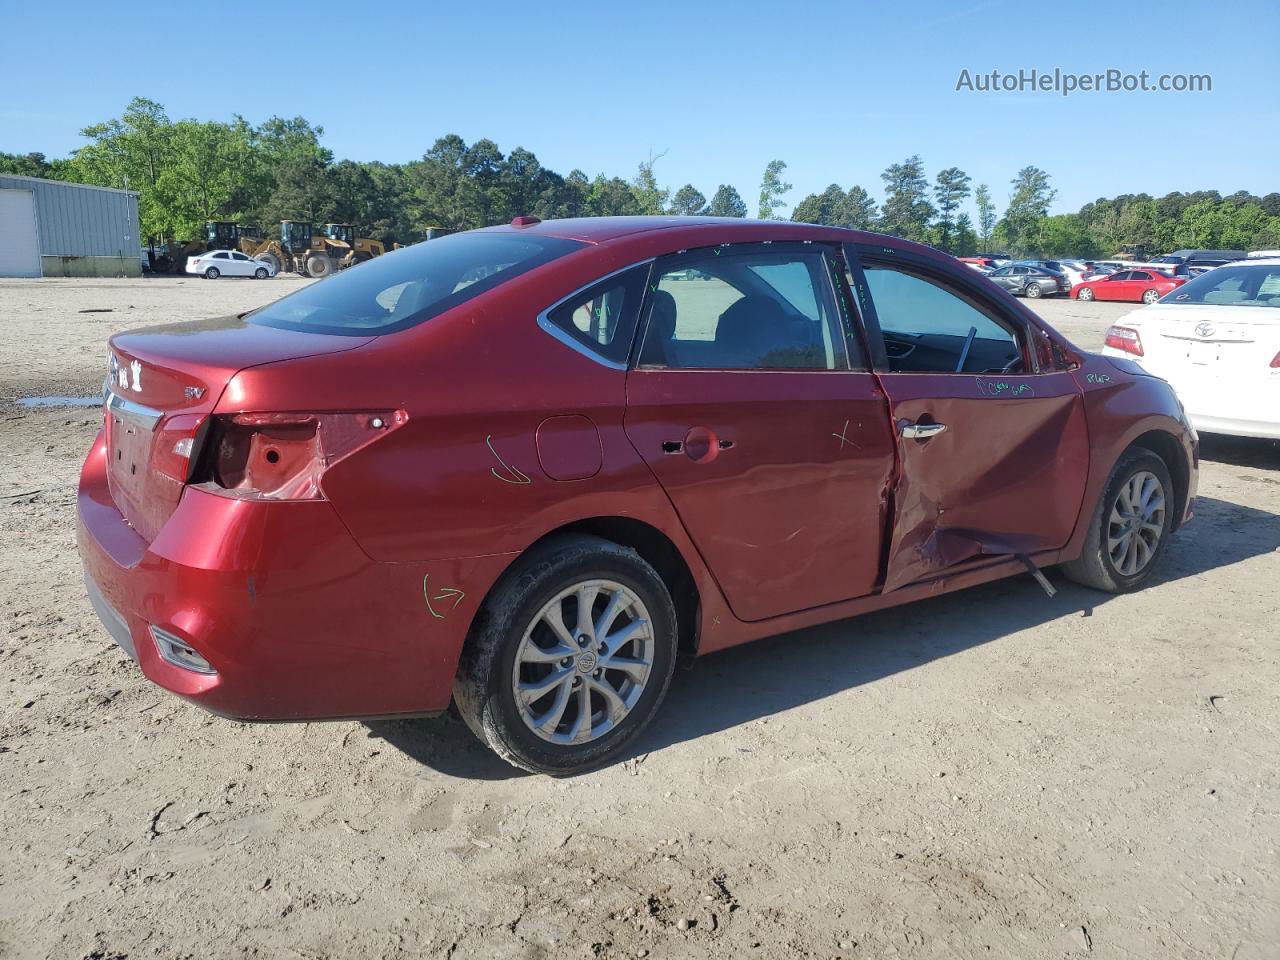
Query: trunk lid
1209,343
162,385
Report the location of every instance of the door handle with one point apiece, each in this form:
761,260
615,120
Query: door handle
922,431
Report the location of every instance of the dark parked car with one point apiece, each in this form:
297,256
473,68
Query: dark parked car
1027,281
524,468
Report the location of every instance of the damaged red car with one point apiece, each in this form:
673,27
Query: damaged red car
526,468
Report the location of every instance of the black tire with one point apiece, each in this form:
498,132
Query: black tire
1033,291
483,689
271,259
261,273
321,266
212,273
1085,294
1150,296
1095,567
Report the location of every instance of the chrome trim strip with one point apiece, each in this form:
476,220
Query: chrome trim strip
129,410
544,319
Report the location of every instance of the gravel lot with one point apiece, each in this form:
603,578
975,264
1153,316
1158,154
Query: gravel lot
993,773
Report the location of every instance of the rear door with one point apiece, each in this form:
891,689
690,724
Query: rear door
753,405
992,441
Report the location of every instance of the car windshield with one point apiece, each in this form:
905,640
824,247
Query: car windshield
410,286
1231,286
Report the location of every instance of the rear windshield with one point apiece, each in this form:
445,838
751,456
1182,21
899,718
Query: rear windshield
404,288
1231,286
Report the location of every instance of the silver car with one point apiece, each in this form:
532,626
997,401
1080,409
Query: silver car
1033,282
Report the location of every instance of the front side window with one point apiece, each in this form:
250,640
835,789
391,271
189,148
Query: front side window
412,285
756,308
930,327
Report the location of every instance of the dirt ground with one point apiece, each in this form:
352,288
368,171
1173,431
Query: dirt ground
989,774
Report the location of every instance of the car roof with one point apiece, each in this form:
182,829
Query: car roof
731,229
1254,262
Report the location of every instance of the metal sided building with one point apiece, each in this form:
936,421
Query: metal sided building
49,228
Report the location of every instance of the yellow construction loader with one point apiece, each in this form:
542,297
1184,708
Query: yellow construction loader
362,248
299,250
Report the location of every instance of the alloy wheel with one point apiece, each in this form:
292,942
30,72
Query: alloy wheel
583,662
1136,523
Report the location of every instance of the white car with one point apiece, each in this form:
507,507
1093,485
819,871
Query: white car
229,263
1217,340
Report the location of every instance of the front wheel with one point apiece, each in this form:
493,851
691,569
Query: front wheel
1085,294
1150,296
261,273
1034,291
212,273
1130,526
570,656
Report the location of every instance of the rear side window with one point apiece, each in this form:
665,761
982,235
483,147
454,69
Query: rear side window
405,288
601,320
758,308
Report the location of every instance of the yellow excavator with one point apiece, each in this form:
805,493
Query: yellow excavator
299,250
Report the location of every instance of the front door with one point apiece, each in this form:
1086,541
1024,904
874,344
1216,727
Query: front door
992,441
755,410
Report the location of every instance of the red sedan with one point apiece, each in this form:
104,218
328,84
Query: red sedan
1130,286
524,468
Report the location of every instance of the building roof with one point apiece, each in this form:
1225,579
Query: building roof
66,183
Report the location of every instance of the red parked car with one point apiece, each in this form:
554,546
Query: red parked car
1130,286
523,468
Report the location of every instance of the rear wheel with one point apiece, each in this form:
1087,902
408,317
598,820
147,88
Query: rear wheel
1085,294
570,656
1130,525
1150,296
212,273
1033,291
320,266
261,273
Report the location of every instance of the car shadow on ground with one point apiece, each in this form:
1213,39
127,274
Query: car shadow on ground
769,676
1240,451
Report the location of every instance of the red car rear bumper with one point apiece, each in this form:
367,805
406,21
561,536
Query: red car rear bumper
298,622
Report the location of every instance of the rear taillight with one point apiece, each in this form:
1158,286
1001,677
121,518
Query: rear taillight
283,456
177,439
1275,362
1126,339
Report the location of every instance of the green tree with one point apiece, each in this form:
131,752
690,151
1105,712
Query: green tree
906,211
1028,207
650,198
951,189
726,202
836,208
772,188
611,197
986,216
689,201
35,165
205,163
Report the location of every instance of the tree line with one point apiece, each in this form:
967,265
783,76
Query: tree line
189,171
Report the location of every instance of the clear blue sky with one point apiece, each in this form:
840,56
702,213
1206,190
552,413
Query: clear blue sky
838,90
